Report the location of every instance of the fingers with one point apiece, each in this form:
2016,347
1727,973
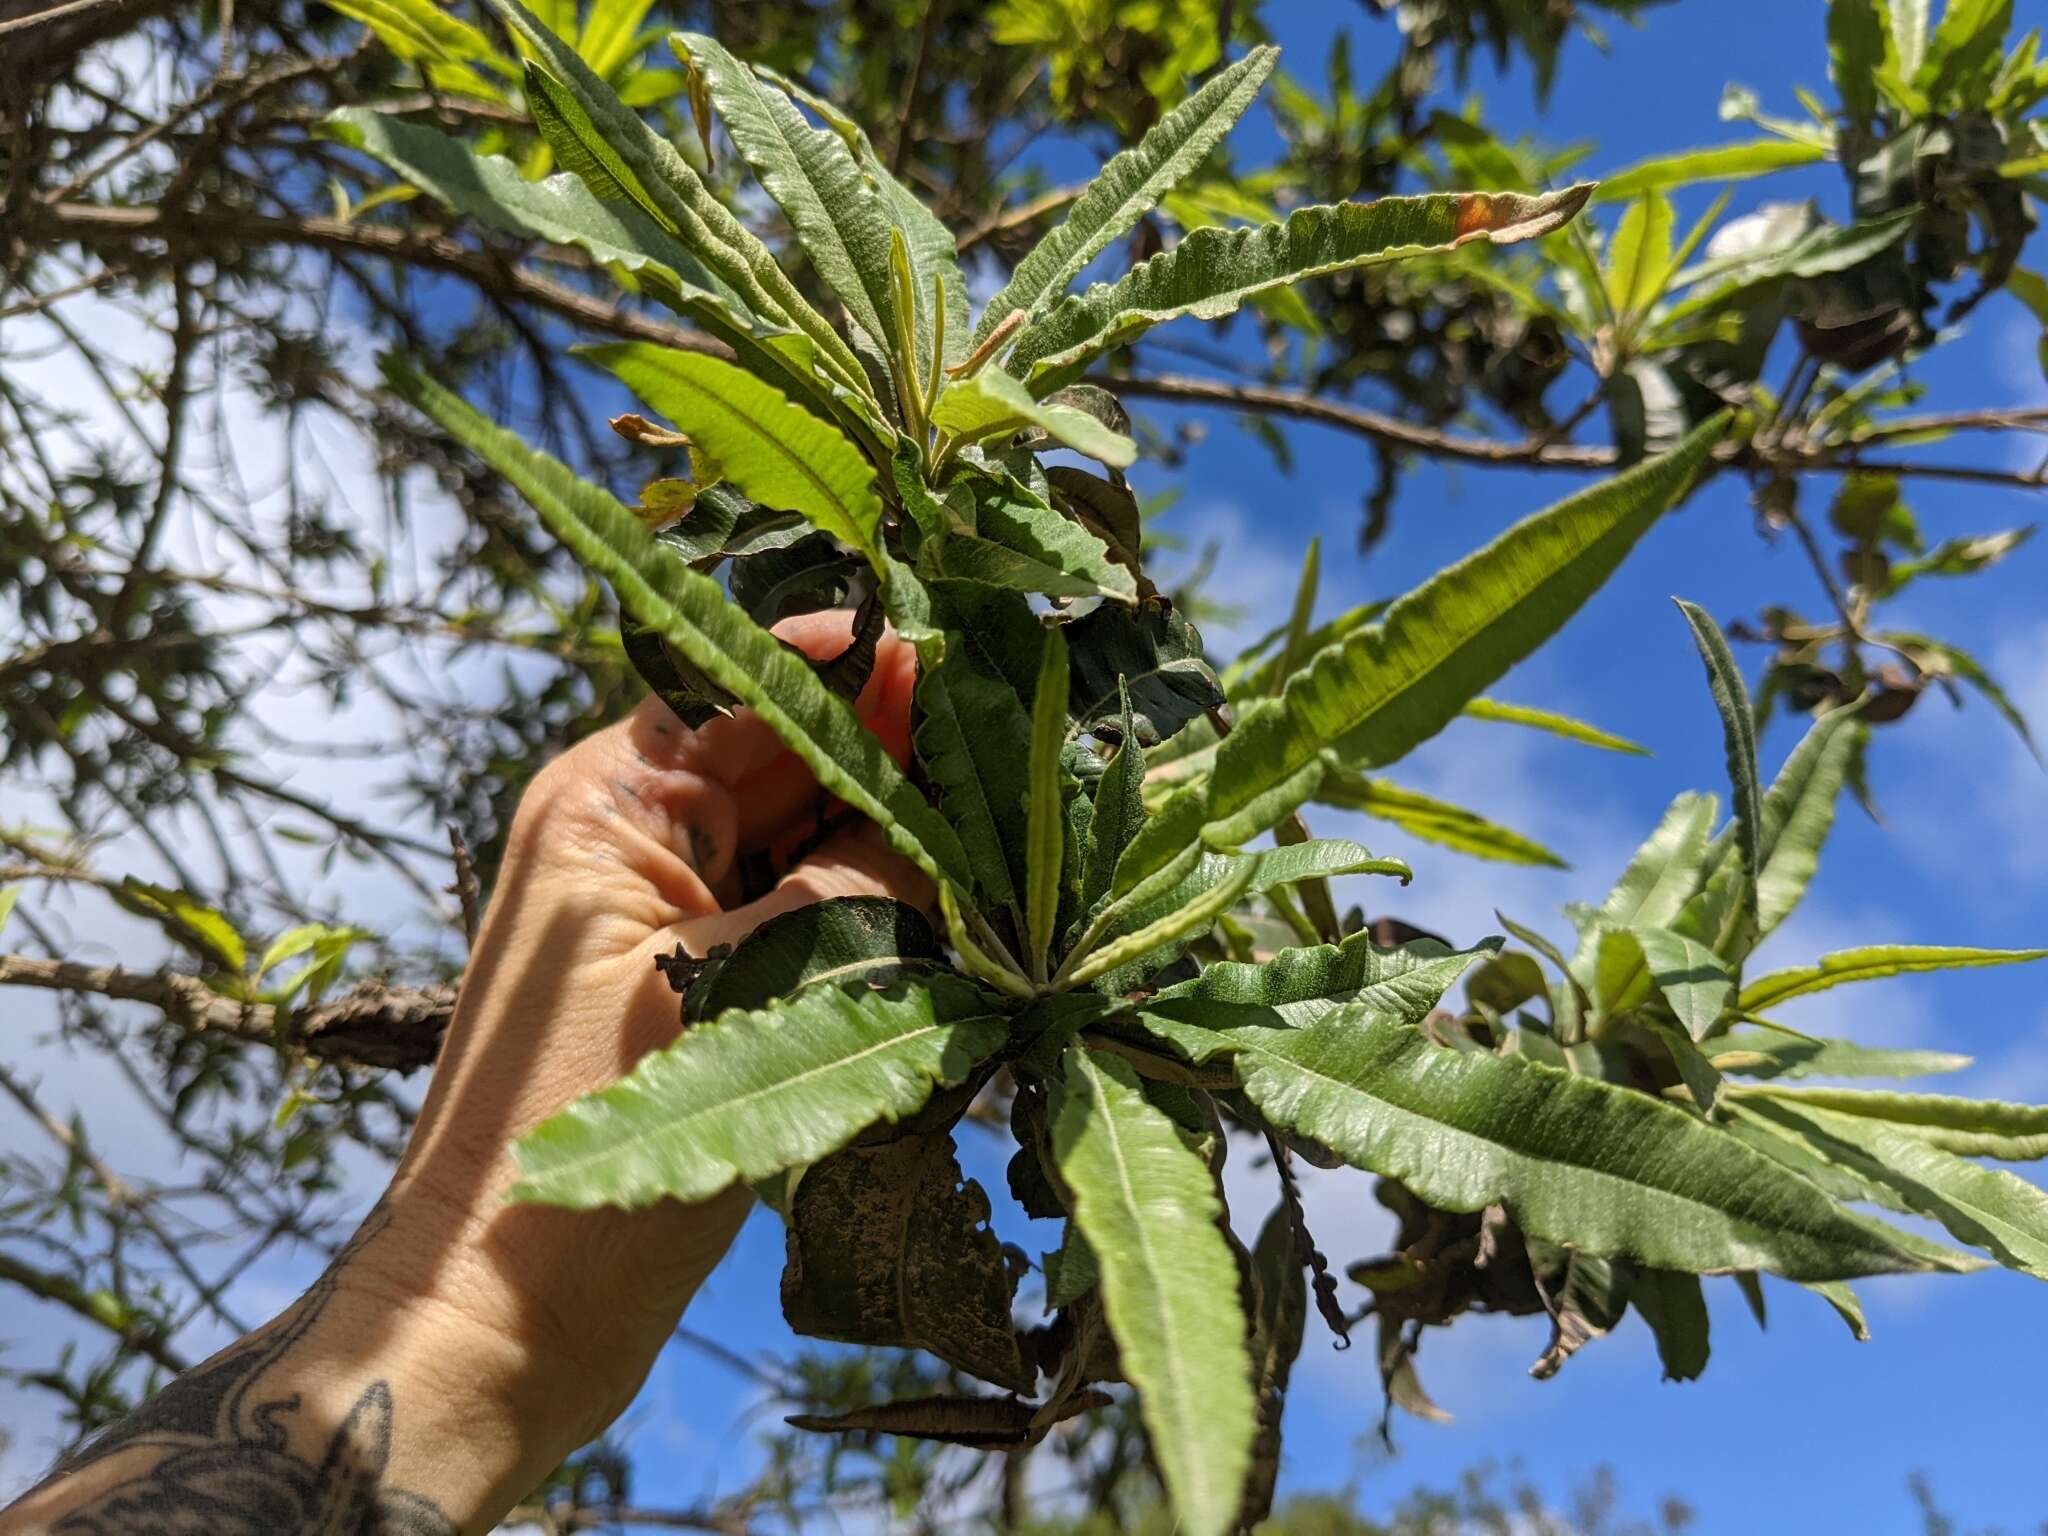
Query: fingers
855,863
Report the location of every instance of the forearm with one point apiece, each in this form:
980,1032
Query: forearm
361,1411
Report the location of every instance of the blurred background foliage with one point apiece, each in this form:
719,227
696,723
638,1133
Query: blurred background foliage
217,631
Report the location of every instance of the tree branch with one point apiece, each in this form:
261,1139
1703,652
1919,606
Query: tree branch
1541,453
92,225
375,1025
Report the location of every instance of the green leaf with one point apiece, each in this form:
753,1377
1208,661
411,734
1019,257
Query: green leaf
1214,270
581,149
1119,806
1692,978
1299,986
1767,1055
752,1094
1576,1160
1433,821
890,1246
835,212
1246,875
1871,963
1149,1210
991,403
8,897
1847,1307
970,721
1738,729
1044,839
777,452
679,198
559,209
1985,1207
1726,162
1799,811
1966,1127
933,255
1021,543
1666,870
1639,261
1672,1305
419,31
1371,696
1128,187
1855,53
843,941
200,928
694,617
1153,653
1555,724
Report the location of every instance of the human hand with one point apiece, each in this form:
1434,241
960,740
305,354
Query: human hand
622,848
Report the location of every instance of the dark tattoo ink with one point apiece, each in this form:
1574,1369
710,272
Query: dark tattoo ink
224,1463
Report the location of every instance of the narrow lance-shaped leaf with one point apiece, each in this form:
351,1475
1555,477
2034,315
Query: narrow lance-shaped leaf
1433,820
969,724
1985,1207
836,214
1738,727
703,223
1044,837
1128,187
1798,812
1576,1160
775,451
1966,1127
1727,162
1119,804
1555,724
693,615
1768,1055
1380,691
752,1094
1214,270
1873,962
1148,1208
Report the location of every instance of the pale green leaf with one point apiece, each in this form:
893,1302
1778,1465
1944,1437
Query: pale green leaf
1639,261
1768,1055
1021,542
992,403
1299,986
1119,803
1555,724
1872,962
1799,811
1726,162
1149,1211
1433,820
1966,1127
1694,981
1985,1207
1127,187
775,451
969,724
753,1093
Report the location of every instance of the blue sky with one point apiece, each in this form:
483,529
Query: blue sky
1798,1428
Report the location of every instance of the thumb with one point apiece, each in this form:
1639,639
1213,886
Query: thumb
857,862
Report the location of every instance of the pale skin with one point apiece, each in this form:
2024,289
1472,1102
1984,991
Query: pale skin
461,1345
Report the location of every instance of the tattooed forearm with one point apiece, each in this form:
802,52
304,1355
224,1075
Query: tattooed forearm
227,1450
